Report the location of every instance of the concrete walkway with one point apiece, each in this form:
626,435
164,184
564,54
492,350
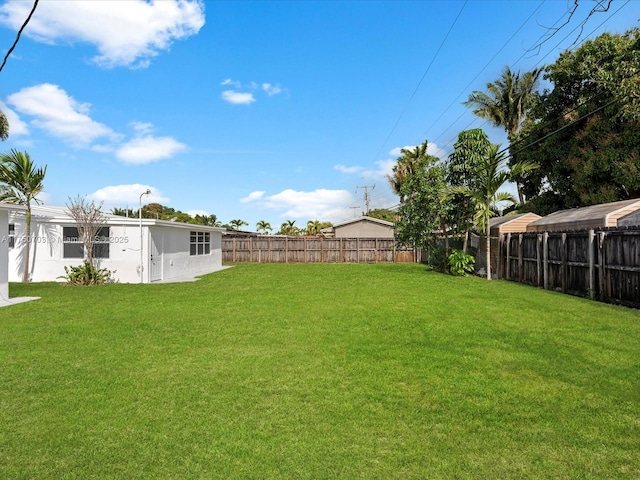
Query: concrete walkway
4,302
188,278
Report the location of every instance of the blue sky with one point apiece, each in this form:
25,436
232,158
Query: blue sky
261,110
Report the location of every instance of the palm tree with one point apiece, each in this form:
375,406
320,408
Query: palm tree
490,175
405,166
22,183
288,228
506,102
237,223
314,227
263,226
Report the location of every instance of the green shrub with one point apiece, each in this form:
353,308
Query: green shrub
460,263
87,274
438,259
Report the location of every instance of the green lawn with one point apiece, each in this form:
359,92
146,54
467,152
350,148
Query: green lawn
319,372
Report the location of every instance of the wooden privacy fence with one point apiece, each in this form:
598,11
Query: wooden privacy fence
602,264
314,250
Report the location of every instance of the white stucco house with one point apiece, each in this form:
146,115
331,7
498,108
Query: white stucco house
137,251
5,209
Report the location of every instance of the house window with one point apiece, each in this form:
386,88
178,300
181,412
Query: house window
200,243
12,235
74,248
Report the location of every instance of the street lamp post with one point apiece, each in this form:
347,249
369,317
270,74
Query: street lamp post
141,267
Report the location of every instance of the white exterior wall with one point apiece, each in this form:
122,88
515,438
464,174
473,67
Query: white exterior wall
48,262
176,261
4,255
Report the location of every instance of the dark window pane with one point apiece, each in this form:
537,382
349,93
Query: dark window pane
70,234
207,237
12,228
200,249
100,250
207,249
103,235
73,250
192,249
12,242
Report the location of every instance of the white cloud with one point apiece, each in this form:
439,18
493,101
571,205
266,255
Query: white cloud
253,196
128,195
348,170
229,81
58,114
432,149
271,89
16,126
147,149
238,98
124,33
142,128
322,203
383,168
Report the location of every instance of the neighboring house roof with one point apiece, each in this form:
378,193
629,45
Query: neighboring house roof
513,223
364,218
54,214
614,214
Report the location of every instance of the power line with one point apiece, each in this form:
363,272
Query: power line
6,57
484,68
540,60
393,129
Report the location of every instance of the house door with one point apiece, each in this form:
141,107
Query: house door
155,257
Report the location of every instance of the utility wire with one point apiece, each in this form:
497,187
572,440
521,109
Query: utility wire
539,61
393,129
484,68
35,4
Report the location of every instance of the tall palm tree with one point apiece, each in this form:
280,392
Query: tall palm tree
263,226
22,182
490,176
405,166
505,103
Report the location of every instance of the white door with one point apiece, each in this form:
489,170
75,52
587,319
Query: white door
155,257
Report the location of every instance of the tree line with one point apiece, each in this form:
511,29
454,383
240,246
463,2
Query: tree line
576,143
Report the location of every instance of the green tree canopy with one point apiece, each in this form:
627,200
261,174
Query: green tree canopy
585,131
506,103
424,207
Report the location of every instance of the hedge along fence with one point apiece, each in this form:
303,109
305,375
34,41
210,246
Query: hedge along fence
602,264
269,249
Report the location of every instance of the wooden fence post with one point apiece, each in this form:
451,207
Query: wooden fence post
520,259
539,260
500,253
565,268
545,261
592,265
507,262
605,284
